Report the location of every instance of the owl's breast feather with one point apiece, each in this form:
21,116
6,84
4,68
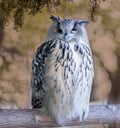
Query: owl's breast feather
66,81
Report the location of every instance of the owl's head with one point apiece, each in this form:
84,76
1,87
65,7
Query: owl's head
66,29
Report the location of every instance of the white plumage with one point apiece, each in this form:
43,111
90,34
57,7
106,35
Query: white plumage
62,71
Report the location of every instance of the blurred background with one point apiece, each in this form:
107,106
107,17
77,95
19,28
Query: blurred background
17,48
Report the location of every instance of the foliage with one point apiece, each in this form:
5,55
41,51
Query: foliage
18,8
94,8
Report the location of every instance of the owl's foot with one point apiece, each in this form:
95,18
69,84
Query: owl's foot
84,114
61,122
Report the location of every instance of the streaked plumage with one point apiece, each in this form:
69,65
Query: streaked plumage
62,71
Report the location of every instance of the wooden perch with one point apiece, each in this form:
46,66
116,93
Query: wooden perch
29,118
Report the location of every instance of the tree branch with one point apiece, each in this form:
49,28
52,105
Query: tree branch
29,118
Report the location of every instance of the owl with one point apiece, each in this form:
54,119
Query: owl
62,71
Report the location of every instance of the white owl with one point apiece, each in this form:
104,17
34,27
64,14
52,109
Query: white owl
62,71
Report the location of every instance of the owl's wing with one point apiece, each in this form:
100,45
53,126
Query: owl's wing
38,89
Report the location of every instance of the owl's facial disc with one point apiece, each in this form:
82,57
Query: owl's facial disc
66,30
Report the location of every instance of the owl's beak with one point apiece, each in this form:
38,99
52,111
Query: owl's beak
66,37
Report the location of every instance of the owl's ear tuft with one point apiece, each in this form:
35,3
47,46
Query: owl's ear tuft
83,22
54,18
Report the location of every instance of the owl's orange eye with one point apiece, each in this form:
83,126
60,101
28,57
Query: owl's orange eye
74,29
59,30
